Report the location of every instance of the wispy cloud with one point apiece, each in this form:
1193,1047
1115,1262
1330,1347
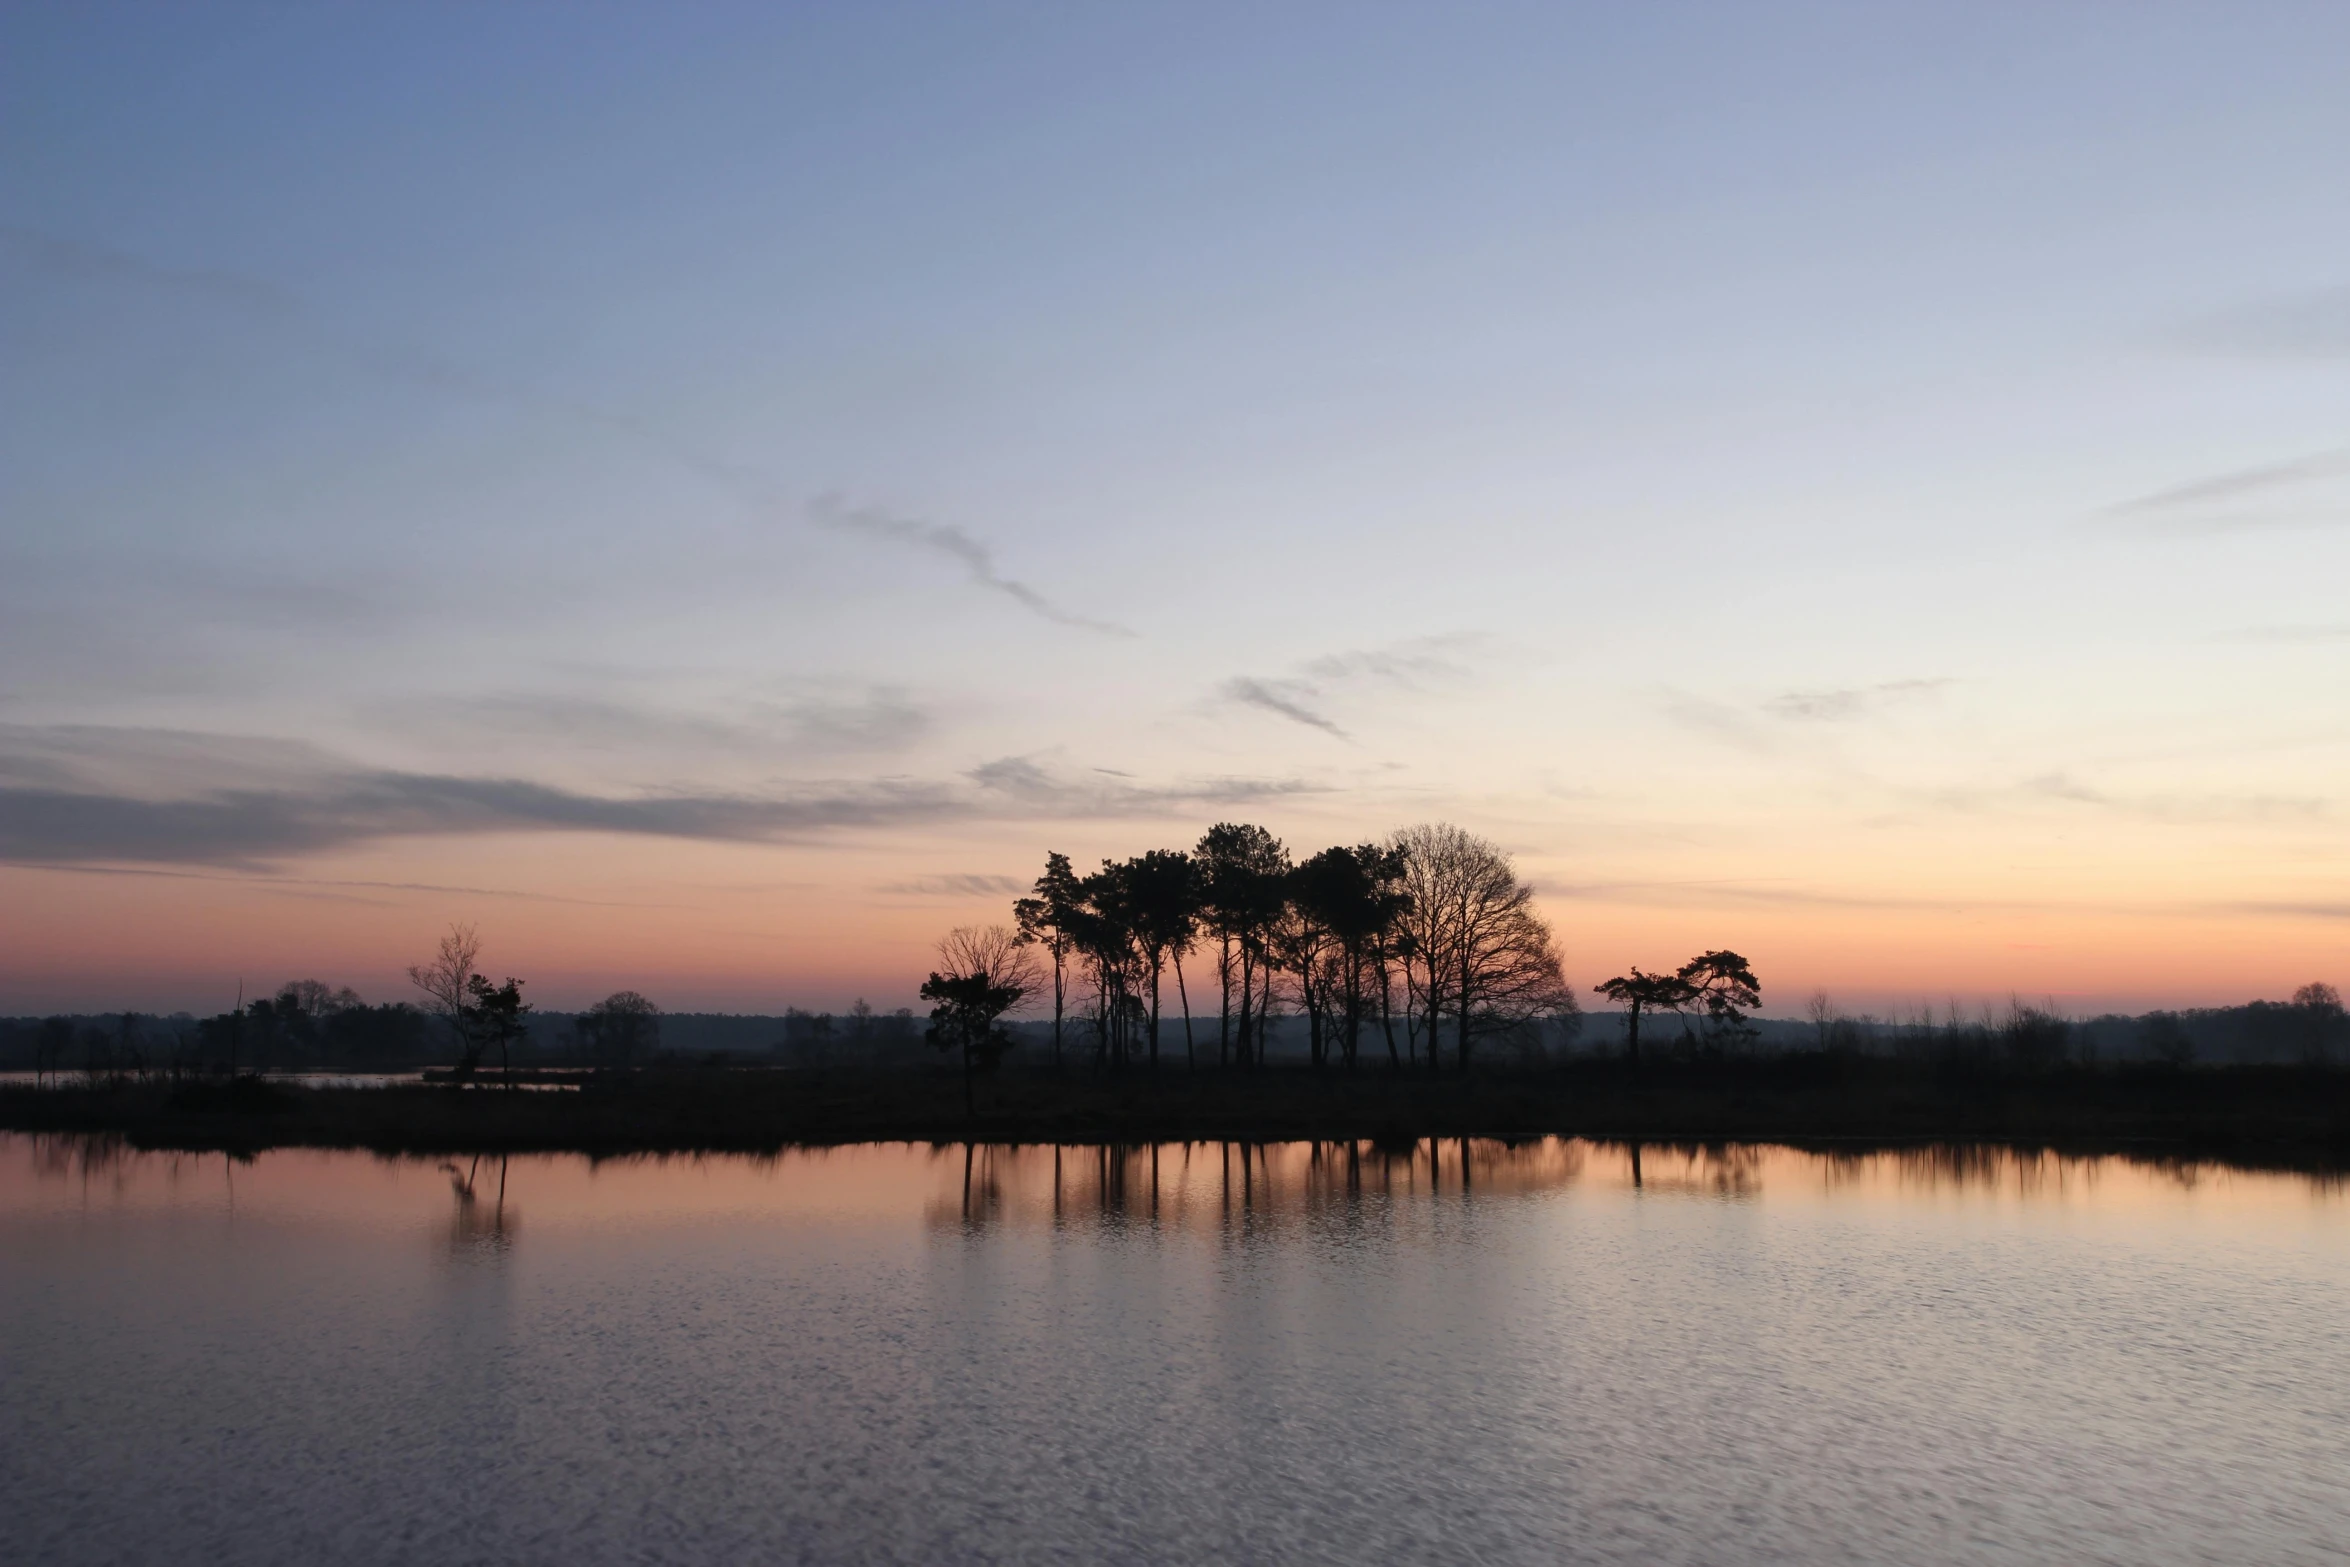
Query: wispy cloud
946,539
1847,702
53,811
1704,894
2310,325
1420,662
1304,698
84,262
883,718
1733,726
2299,490
2178,809
954,885
2334,633
1290,699
312,883
2288,910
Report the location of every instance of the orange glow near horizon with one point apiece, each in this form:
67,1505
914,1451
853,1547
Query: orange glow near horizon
703,927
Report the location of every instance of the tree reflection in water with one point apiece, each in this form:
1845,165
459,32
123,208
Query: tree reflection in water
1219,1185
478,1228
1194,1185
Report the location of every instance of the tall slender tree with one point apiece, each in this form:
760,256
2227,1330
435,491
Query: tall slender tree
1428,854
1242,869
1047,919
1163,908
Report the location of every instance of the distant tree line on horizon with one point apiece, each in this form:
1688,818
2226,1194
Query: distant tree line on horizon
306,1025
1416,950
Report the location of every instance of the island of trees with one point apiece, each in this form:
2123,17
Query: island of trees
1381,990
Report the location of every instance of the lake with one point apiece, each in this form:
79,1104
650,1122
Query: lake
1288,1353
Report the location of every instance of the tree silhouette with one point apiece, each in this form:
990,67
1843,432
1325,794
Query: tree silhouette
1723,985
446,980
1470,924
984,973
1345,903
1047,919
1162,907
1242,896
1641,991
496,1014
619,1028
2321,1018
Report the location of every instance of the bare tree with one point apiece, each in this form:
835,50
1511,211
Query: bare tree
1479,948
445,981
1424,930
1821,1009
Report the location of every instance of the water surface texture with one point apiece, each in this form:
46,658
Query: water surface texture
1292,1353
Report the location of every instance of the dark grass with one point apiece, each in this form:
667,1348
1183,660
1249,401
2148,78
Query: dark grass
2296,1117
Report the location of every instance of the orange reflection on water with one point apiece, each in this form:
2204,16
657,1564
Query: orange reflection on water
1183,1186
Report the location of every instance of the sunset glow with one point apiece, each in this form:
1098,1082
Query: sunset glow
1862,489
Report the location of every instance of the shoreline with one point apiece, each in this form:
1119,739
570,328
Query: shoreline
2280,1117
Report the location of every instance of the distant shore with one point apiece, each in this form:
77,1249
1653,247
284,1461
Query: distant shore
2262,1115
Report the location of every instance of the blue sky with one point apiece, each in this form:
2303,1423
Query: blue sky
1752,461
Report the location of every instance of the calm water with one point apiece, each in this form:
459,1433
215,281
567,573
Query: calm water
908,1354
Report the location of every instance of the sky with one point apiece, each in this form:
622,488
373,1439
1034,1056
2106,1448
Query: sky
712,495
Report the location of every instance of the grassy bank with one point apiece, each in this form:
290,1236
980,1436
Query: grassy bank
2259,1115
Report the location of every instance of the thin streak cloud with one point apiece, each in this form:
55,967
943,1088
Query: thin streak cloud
2312,325
1849,701
1282,698
954,885
87,263
2296,491
80,262
946,539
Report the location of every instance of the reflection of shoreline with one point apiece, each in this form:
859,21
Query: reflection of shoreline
1218,1184
2277,1118
1223,1182
1169,1182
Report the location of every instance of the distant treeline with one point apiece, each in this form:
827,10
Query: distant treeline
2310,1029
397,1037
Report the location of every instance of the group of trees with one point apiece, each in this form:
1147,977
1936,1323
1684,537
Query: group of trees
1422,946
862,1035
619,1032
307,1024
478,1013
304,1024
